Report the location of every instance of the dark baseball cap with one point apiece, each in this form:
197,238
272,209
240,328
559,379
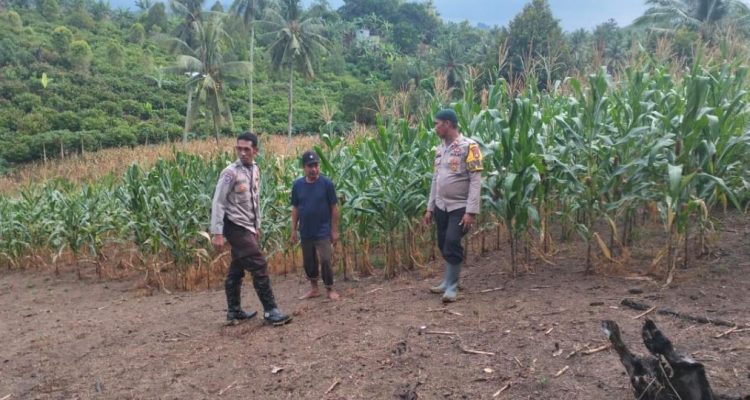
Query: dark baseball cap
310,157
447,114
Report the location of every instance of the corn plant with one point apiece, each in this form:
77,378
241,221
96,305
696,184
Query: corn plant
588,131
513,184
588,155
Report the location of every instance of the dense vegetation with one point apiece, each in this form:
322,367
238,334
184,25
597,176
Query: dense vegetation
661,129
76,75
589,158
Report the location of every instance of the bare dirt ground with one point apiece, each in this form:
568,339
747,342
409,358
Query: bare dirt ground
67,339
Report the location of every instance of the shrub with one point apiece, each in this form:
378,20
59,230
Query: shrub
49,9
110,108
173,131
118,136
93,119
135,109
116,54
28,102
68,120
4,167
17,150
137,34
61,39
358,103
11,20
80,55
80,18
33,123
148,133
11,88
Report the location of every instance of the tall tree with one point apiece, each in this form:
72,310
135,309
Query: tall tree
702,15
581,45
249,11
415,24
450,59
536,43
298,43
385,9
610,43
207,71
156,17
189,12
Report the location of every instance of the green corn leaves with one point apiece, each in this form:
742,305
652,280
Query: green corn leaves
588,157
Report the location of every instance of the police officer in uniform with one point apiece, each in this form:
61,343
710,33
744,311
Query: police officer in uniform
235,215
454,197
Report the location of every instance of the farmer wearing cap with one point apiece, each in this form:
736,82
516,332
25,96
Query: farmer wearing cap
235,215
454,197
316,216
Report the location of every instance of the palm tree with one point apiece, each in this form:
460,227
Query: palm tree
207,72
703,15
189,11
298,43
249,11
450,60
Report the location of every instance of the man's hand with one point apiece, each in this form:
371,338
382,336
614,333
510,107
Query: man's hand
427,219
334,237
467,221
258,234
293,237
218,241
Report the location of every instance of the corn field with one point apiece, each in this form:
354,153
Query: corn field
588,157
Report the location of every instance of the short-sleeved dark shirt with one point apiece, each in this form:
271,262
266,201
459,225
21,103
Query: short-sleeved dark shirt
313,202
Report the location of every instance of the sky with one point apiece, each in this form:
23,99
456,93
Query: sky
573,14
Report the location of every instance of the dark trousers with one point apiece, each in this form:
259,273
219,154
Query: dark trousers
247,256
449,234
317,253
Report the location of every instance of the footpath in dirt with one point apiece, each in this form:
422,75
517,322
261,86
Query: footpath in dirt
536,336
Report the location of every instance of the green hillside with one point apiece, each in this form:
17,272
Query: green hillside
77,75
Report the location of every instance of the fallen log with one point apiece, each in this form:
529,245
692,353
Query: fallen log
665,311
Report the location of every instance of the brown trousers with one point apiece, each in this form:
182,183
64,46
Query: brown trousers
318,253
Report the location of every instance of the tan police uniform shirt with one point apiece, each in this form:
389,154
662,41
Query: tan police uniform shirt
237,196
457,177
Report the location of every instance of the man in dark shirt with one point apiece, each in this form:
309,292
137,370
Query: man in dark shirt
315,214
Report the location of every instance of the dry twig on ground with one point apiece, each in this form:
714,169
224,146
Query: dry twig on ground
222,391
502,389
471,351
439,333
333,386
562,371
645,312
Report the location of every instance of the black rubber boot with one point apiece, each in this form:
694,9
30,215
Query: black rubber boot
233,291
276,317
271,313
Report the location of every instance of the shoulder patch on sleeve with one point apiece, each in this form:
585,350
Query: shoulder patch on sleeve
474,158
228,176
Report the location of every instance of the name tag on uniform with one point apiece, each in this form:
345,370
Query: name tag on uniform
454,163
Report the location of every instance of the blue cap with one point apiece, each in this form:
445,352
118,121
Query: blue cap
310,157
447,114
